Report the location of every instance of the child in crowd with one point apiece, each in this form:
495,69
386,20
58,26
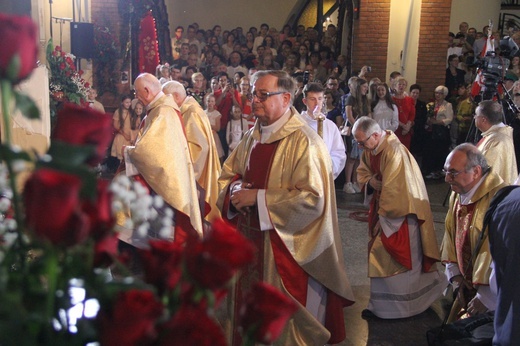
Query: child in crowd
214,119
126,131
236,127
138,114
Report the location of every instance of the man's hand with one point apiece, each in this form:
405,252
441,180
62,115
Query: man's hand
458,281
375,183
475,307
243,197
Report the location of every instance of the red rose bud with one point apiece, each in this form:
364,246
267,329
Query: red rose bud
265,313
84,126
213,260
162,264
105,251
131,320
19,38
51,201
191,326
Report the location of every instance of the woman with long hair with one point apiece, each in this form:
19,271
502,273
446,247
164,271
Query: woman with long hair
406,107
384,110
125,129
356,106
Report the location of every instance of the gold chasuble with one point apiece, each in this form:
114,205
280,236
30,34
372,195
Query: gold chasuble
203,151
162,157
403,193
498,148
296,172
465,223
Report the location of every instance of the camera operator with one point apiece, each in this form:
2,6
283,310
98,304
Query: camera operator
512,114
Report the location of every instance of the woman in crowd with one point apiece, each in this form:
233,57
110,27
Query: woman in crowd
290,64
228,47
267,63
302,63
406,108
269,45
440,116
198,91
250,41
214,120
331,109
454,76
465,110
356,106
514,66
245,98
384,110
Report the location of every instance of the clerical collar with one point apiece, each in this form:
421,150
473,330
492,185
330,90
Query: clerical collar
157,97
465,199
267,130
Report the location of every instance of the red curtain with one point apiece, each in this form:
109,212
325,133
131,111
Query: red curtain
148,47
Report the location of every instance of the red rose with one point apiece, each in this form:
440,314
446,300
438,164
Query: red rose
100,210
213,260
191,326
19,37
84,126
52,211
105,250
131,320
265,313
162,264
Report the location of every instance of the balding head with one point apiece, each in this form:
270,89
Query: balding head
147,86
175,89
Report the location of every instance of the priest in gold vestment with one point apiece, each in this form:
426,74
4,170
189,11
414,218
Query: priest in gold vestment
161,156
403,249
497,140
203,151
473,184
277,186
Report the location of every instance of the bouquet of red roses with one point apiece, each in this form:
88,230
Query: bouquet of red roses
59,246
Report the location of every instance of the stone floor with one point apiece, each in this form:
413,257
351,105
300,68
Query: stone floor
379,332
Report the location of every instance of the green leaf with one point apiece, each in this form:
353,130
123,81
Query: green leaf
8,154
26,105
70,154
13,69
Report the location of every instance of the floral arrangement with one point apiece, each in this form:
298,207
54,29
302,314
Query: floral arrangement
62,280
65,81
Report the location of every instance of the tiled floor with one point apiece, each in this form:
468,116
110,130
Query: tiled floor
379,332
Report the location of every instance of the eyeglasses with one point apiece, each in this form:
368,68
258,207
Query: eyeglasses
362,143
263,96
452,174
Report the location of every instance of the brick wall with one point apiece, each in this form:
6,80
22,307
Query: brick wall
433,43
371,40
370,45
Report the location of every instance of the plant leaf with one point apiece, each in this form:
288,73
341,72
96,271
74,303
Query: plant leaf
26,105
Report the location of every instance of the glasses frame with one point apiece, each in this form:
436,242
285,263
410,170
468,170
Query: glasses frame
362,143
264,95
452,174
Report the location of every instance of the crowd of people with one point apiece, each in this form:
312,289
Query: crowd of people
243,105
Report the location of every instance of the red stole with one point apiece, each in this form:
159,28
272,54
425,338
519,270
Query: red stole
463,217
398,244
